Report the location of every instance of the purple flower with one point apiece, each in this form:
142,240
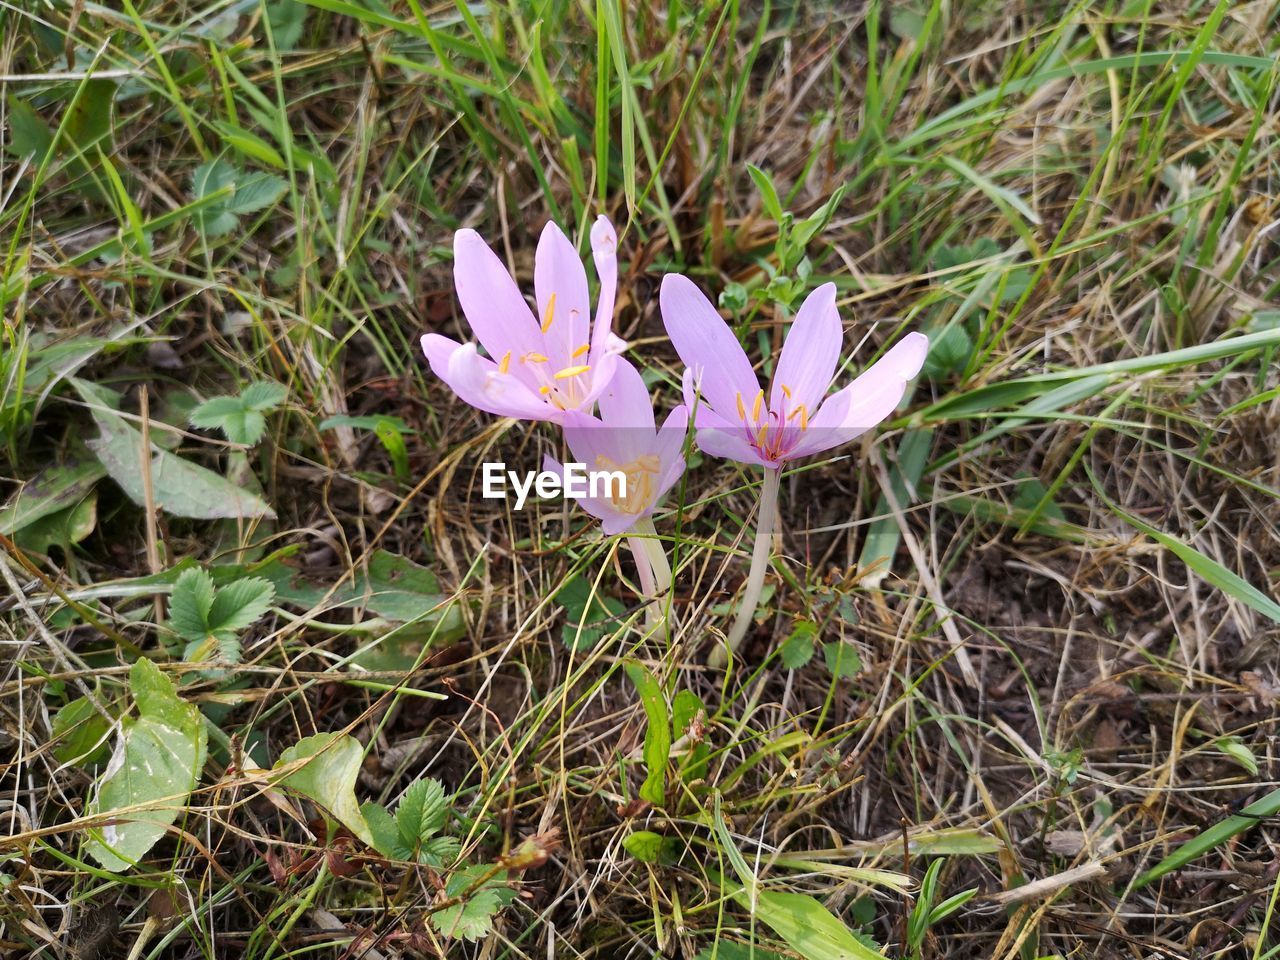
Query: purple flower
537,368
626,439
736,420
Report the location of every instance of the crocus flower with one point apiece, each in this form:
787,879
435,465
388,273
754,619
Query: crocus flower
626,439
734,419
537,368
733,416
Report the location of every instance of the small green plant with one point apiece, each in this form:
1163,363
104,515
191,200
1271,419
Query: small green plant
211,619
414,832
925,914
242,419
481,893
237,192
789,275
390,432
473,894
155,765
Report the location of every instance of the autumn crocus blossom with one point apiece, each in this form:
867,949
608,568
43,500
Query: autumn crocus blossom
626,440
537,368
736,420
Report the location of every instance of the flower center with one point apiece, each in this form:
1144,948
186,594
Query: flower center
641,485
772,436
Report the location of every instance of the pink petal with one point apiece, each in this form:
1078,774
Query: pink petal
669,445
670,440
602,374
868,400
490,299
719,437
618,522
566,321
625,402
477,381
588,438
438,350
809,354
720,368
604,250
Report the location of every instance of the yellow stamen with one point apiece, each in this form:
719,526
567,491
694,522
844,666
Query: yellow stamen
760,437
755,407
551,311
580,351
534,358
568,372
786,391
505,363
544,390
639,489
742,411
804,417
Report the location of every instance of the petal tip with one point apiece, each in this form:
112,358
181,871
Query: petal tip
604,239
915,348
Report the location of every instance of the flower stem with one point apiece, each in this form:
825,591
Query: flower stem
768,512
652,567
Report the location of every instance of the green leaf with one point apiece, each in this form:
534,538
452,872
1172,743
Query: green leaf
230,415
649,847
733,950
588,617
657,734
240,418
29,135
179,487
811,225
330,766
1030,493
90,118
797,649
239,604
61,529
1215,836
52,491
382,827
264,395
287,18
768,192
79,732
154,767
842,660
249,144
396,587
807,927
256,191
368,422
473,918
1230,583
190,603
421,812
248,192
685,708
439,852
1237,750
949,351
210,177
